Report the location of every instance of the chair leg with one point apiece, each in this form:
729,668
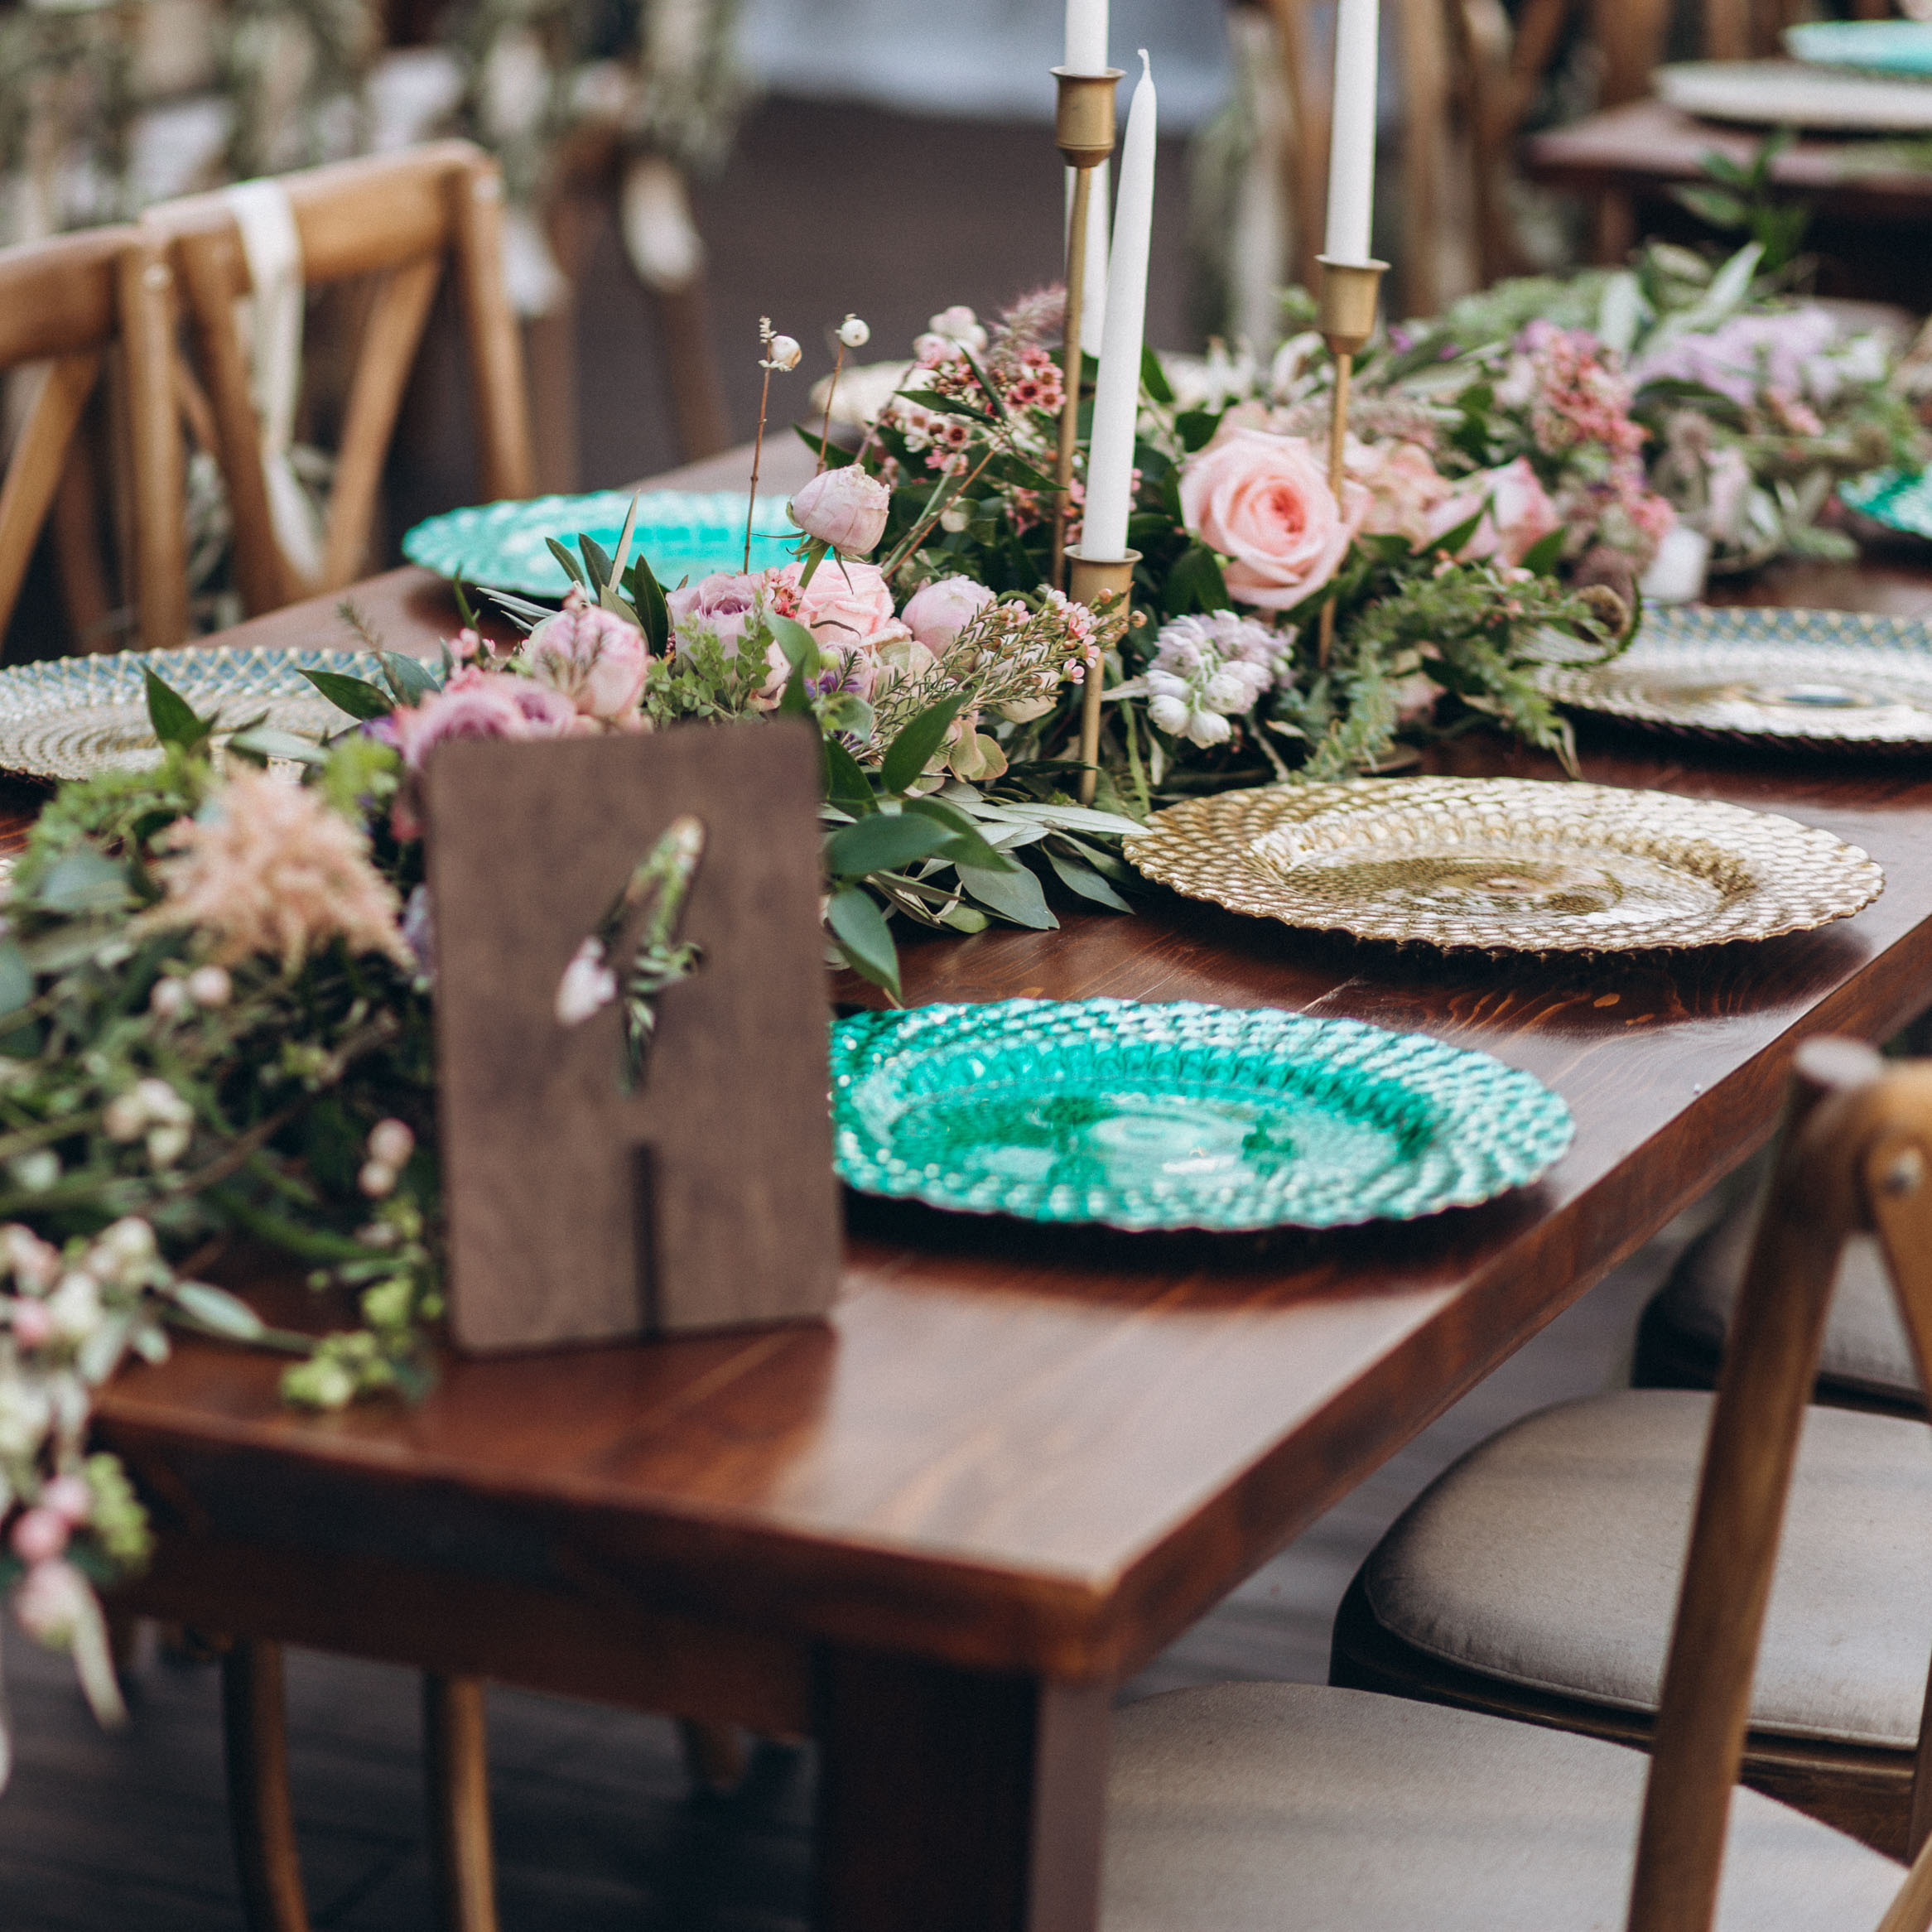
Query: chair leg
255,1731
456,1770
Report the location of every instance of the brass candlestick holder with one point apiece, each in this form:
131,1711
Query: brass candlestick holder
1092,579
1084,132
1349,293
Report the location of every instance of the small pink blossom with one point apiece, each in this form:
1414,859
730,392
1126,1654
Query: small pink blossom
1263,501
69,1497
32,1324
595,658
845,509
1517,513
1403,485
40,1534
936,614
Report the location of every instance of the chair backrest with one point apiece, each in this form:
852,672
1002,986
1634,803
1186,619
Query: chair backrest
1857,1153
62,304
395,218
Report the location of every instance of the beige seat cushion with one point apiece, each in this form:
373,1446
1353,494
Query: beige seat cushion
1865,1345
1292,1808
1549,1556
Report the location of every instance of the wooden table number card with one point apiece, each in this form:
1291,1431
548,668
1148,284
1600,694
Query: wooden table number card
617,1165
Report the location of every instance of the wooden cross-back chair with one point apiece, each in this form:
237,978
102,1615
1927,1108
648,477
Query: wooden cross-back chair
1368,1811
63,304
395,218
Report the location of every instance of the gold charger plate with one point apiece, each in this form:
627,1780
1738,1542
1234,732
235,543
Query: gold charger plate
1826,680
1507,864
75,717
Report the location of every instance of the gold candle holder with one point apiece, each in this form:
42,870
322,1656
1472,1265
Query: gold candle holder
1092,580
1084,132
1350,292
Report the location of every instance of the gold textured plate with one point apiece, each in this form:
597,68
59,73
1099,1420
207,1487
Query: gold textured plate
1507,864
75,717
1822,679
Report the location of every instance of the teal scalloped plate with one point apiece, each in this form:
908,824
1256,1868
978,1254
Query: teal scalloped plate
1869,46
683,534
1178,1116
75,717
1900,499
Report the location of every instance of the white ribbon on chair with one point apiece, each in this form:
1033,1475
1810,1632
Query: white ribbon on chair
270,324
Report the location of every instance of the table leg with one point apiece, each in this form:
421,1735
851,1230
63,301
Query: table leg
456,1772
255,1734
952,1801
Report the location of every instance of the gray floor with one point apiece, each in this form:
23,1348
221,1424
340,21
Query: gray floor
595,1826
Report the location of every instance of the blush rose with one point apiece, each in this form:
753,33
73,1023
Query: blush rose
1263,502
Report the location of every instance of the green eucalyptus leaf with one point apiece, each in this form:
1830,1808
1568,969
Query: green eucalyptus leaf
571,568
263,743
218,1311
917,741
968,845
176,721
1076,875
864,936
16,979
596,562
883,842
647,597
800,647
82,881
410,678
355,696
1154,378
845,783
1014,894
1545,554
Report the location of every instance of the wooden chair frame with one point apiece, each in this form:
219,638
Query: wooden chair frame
1857,1153
395,217
68,302
1866,1790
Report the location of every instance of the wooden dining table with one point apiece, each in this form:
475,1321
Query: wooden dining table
937,1529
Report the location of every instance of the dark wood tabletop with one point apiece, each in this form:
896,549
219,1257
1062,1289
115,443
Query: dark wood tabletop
1016,1461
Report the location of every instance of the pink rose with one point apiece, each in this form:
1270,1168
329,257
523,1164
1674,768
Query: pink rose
845,603
940,612
1263,501
593,656
473,704
721,605
1517,513
1403,486
843,508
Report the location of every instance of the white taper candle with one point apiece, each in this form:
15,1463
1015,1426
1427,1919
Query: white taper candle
1116,403
1093,310
1086,37
1352,144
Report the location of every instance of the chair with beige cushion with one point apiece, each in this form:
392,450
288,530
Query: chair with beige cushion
1265,1806
1866,1362
1535,1578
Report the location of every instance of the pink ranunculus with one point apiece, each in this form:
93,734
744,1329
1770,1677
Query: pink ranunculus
1263,501
1404,487
845,603
720,605
595,658
843,508
1517,513
939,613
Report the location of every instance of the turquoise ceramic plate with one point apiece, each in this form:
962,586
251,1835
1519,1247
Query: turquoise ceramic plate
1877,46
74,717
1179,1116
684,534
1900,499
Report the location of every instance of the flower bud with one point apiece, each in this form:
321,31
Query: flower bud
781,353
51,1602
124,1117
853,333
32,1324
69,1497
167,999
844,508
35,1262
167,1144
74,1307
160,1103
392,1143
40,1534
209,986
376,1179
129,1242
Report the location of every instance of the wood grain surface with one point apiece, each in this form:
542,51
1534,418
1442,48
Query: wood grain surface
1017,1449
